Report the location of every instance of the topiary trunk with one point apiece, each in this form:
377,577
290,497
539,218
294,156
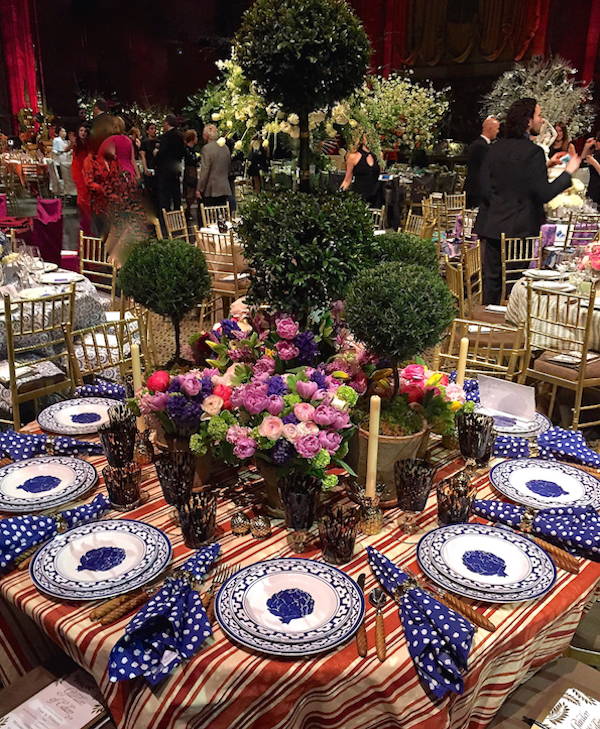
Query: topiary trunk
304,159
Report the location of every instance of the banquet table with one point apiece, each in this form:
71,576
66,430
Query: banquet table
226,687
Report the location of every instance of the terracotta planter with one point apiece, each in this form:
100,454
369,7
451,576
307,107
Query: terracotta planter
182,445
391,449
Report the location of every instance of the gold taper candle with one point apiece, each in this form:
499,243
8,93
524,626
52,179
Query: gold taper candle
136,367
375,408
462,361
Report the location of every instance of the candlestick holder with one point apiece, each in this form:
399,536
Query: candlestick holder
371,516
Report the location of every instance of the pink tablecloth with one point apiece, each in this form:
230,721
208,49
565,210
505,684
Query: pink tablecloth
225,687
48,229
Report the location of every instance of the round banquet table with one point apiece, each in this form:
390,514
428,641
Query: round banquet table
225,687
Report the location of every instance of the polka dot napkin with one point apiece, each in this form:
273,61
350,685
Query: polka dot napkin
575,527
19,533
554,443
438,639
168,629
19,446
101,388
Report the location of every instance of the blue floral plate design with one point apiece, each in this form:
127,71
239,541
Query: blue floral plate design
79,416
290,608
544,483
36,484
505,425
100,560
486,563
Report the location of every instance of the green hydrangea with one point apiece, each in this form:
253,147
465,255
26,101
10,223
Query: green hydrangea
291,399
263,443
217,428
330,481
198,445
347,394
228,417
321,460
342,451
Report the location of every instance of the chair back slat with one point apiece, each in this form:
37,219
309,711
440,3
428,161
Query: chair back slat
517,254
94,264
176,224
582,229
456,284
211,214
471,259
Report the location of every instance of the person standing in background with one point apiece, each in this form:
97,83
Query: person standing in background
101,127
476,154
63,156
148,151
121,147
215,170
168,165
190,170
84,203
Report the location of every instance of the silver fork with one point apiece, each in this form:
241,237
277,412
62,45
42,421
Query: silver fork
222,573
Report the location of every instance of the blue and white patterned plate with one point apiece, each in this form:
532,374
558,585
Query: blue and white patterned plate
505,425
290,607
544,484
44,482
80,416
100,560
486,563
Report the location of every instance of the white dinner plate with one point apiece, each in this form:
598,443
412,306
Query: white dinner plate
79,416
545,484
41,292
36,484
61,277
508,425
49,267
561,286
542,274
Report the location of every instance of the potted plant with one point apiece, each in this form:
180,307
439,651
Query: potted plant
408,248
397,311
168,277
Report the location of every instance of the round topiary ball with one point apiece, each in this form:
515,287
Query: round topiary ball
408,248
398,310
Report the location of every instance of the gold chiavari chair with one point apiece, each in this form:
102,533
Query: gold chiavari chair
516,255
35,340
158,229
494,350
129,309
176,224
104,349
243,189
455,205
94,264
378,218
456,284
582,229
211,214
559,324
471,260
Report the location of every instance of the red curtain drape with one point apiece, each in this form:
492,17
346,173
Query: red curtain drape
19,54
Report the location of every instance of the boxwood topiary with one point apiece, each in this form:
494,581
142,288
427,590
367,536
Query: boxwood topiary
303,250
168,277
408,248
398,310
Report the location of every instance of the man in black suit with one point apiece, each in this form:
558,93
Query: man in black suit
514,188
168,165
476,154
102,126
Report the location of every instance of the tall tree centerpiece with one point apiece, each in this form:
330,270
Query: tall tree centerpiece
304,55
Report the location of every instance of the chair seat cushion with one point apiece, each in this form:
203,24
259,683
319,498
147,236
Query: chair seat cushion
47,371
543,364
493,317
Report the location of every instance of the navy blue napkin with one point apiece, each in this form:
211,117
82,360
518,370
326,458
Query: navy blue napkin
19,446
101,388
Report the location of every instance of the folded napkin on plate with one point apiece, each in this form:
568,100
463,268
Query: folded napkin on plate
168,629
20,533
577,528
438,639
101,388
554,443
19,446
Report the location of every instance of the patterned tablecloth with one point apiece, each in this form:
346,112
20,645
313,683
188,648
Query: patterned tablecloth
225,687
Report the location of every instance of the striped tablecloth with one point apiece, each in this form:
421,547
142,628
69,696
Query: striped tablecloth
225,687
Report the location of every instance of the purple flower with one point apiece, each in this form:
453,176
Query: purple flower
240,354
325,415
245,448
175,385
287,328
237,396
274,404
307,348
282,452
190,384
306,390
286,350
207,386
308,446
319,377
227,325
265,365
254,399
290,419
330,441
184,413
341,420
276,386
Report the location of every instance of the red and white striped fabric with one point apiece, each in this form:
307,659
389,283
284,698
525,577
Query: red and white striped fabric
225,687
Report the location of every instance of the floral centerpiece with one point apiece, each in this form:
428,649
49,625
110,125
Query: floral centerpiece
570,200
590,261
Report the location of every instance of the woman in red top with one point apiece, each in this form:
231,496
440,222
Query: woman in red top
80,152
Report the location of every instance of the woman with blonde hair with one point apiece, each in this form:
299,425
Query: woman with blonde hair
121,147
362,165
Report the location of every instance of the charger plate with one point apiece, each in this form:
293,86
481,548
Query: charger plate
507,425
79,416
290,608
486,563
100,560
44,482
545,484
61,277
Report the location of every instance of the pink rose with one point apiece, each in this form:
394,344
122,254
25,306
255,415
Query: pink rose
159,381
307,428
306,390
286,350
271,427
290,432
308,446
236,432
330,441
414,392
332,383
287,328
304,411
359,383
264,366
245,448
212,405
274,404
190,384
413,372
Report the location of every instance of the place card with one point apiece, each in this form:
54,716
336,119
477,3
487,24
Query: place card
573,709
501,397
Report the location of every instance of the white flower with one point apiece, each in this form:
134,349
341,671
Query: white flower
577,184
317,117
221,141
250,122
238,145
285,127
294,119
295,132
216,116
229,123
353,123
265,144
